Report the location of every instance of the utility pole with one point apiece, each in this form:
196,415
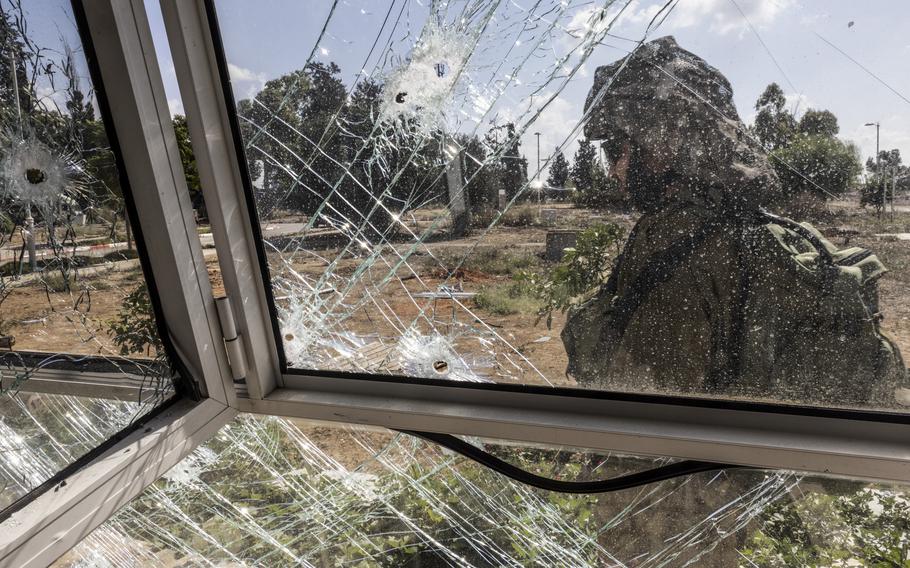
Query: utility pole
539,185
878,167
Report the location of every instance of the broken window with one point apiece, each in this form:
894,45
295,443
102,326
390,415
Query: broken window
80,355
563,193
272,492
555,194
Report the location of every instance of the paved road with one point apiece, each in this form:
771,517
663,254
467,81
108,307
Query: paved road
10,254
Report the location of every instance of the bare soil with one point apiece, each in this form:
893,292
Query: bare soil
76,321
42,316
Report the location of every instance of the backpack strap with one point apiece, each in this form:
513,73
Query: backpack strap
657,270
802,231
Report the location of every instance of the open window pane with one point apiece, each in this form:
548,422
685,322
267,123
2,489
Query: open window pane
80,355
270,492
562,193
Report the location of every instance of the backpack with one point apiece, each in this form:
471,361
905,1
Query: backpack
801,322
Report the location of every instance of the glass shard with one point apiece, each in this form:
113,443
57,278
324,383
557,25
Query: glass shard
270,492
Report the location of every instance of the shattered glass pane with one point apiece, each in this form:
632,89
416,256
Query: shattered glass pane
673,197
80,358
271,492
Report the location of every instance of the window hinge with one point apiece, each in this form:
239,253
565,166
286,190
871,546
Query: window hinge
232,343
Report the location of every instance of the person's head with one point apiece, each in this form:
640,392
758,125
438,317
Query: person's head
670,130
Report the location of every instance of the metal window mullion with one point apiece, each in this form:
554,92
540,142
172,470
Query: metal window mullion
223,188
59,519
135,94
824,443
89,384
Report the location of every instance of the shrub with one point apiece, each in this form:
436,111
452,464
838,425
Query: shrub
582,269
873,193
816,164
489,261
509,299
120,255
57,281
134,330
520,216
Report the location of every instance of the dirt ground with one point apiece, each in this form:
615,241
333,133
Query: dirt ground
42,316
541,346
77,321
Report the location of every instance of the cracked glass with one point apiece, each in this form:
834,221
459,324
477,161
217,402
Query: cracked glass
685,198
272,492
80,355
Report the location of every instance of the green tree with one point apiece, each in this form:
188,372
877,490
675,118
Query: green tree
583,166
188,160
11,43
480,177
383,178
594,188
807,156
817,164
887,170
818,123
888,161
86,134
559,171
774,125
270,123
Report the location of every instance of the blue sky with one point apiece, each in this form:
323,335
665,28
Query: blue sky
267,38
51,26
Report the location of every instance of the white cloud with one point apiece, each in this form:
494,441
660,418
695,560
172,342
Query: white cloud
636,14
599,19
51,98
555,123
242,74
175,106
723,16
797,103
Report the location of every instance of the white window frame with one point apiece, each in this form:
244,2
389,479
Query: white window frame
862,445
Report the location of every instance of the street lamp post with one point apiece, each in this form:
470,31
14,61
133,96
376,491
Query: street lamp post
878,166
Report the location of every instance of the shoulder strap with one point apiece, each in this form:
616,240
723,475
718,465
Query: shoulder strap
657,270
802,231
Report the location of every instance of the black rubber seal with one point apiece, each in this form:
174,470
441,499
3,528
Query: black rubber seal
620,483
